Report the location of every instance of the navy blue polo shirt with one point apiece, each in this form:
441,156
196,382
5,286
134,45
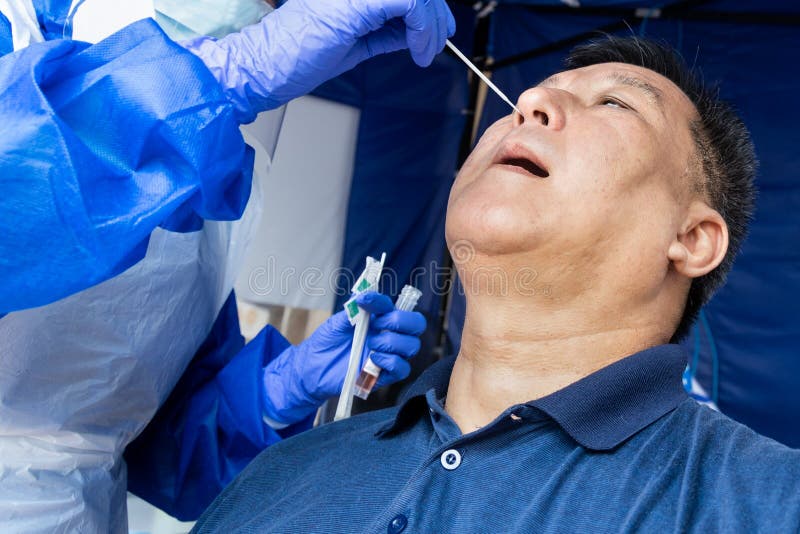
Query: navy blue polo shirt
622,450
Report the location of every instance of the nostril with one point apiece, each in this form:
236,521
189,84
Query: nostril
542,117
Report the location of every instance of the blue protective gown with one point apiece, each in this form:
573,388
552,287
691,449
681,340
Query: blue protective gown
100,145
115,161
211,426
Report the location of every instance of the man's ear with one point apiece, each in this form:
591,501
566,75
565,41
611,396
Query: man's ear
701,243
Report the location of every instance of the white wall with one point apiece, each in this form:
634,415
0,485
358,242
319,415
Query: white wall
300,240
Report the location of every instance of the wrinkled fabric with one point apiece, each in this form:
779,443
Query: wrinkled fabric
22,17
98,147
80,378
52,16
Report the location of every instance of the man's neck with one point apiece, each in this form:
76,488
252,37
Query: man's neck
512,352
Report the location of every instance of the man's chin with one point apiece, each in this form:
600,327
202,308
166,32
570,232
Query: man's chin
496,232
488,245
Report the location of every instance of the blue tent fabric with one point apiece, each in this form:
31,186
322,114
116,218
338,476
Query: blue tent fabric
753,319
753,363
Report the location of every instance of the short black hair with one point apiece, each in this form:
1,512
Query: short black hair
726,158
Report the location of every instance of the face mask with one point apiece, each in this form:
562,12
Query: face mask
185,19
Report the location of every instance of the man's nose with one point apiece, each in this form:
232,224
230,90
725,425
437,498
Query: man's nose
542,106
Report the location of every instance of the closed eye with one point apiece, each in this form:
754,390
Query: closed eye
613,102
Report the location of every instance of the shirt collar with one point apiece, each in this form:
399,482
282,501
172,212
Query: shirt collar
599,411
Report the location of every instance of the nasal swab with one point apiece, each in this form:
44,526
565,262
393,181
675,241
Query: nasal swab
481,75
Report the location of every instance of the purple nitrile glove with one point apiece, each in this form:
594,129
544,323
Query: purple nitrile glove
304,43
302,377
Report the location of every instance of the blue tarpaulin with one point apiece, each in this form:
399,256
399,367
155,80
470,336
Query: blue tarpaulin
408,152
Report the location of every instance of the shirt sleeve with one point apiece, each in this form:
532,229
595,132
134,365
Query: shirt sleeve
100,144
212,425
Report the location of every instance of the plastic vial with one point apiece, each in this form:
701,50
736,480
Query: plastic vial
366,381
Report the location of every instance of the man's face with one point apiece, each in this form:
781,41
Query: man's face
595,175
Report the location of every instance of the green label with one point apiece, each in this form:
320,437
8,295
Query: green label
364,284
352,309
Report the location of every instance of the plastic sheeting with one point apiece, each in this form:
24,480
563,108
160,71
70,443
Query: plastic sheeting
82,377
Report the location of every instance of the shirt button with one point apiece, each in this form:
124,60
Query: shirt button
398,524
451,459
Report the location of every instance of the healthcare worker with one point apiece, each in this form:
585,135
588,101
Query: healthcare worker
125,209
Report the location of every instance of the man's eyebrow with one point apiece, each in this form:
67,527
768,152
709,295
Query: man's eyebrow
549,81
653,93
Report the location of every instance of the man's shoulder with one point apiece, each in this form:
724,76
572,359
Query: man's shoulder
726,463
723,444
711,424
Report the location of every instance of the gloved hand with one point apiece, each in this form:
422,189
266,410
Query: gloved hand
302,377
307,42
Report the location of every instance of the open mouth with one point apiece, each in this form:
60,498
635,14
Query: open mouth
526,166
